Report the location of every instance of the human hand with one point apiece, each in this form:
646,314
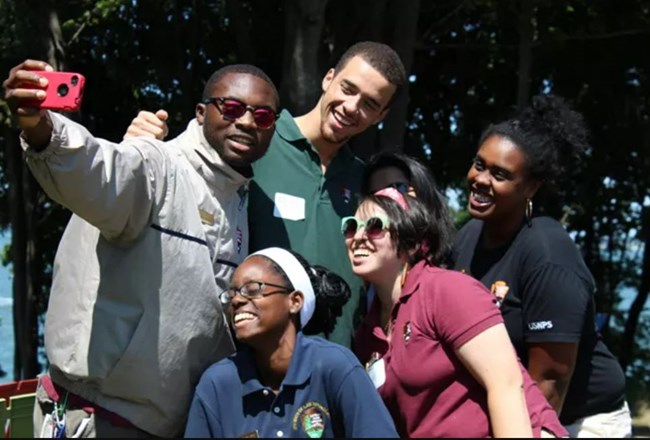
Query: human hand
149,124
17,95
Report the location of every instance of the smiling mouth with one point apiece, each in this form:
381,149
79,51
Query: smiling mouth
242,318
342,120
480,199
244,141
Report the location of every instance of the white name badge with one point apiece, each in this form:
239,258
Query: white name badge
289,207
377,373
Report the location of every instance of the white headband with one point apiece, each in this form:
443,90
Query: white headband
298,277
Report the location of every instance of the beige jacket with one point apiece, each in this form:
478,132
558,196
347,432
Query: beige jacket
134,316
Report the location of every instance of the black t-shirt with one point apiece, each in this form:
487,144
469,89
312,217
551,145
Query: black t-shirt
546,293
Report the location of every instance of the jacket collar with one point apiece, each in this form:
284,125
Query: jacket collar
205,159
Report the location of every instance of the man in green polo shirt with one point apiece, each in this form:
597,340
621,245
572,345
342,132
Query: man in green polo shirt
309,178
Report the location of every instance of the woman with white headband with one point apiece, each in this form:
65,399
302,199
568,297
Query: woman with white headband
282,383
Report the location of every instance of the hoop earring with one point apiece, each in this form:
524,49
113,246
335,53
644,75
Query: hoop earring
529,211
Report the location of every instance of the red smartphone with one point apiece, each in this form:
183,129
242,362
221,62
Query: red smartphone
64,91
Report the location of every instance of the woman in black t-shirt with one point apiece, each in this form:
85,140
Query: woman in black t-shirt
530,263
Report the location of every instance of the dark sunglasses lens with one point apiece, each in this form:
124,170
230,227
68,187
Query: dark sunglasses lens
264,118
232,109
374,227
401,187
349,228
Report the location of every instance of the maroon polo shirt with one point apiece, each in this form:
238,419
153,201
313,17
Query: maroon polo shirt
428,391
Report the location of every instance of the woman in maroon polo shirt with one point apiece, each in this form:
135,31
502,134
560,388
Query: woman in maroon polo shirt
433,341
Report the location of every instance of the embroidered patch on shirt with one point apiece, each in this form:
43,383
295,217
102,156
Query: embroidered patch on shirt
499,289
407,331
206,217
312,417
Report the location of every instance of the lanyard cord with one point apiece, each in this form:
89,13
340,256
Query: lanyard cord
60,410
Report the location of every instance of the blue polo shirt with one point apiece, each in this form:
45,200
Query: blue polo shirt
326,393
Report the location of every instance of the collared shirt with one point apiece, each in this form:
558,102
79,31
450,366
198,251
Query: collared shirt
326,393
293,205
439,311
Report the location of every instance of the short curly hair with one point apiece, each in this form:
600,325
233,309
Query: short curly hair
382,58
247,69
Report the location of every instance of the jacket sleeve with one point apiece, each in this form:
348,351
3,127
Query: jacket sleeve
114,187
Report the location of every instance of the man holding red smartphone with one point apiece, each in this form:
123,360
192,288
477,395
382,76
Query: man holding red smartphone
156,232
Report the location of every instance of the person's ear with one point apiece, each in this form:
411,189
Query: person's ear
533,186
199,112
327,79
380,116
296,301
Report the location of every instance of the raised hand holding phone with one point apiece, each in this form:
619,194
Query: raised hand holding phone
64,91
25,89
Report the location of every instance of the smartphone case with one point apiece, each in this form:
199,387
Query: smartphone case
64,91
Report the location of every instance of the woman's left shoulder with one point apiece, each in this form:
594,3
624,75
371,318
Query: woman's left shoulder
546,235
543,226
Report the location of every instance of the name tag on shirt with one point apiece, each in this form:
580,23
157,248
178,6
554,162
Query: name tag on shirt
289,207
377,372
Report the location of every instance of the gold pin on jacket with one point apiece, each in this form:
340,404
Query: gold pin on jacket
206,217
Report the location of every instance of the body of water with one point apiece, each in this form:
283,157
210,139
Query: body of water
6,319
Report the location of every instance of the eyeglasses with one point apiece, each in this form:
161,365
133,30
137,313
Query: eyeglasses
233,109
250,290
374,226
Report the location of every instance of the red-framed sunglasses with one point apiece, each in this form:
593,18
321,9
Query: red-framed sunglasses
233,109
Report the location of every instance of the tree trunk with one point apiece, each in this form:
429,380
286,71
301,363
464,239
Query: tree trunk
24,316
627,346
302,75
23,201
402,38
395,24
525,27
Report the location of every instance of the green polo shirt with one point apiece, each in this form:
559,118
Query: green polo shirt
293,205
